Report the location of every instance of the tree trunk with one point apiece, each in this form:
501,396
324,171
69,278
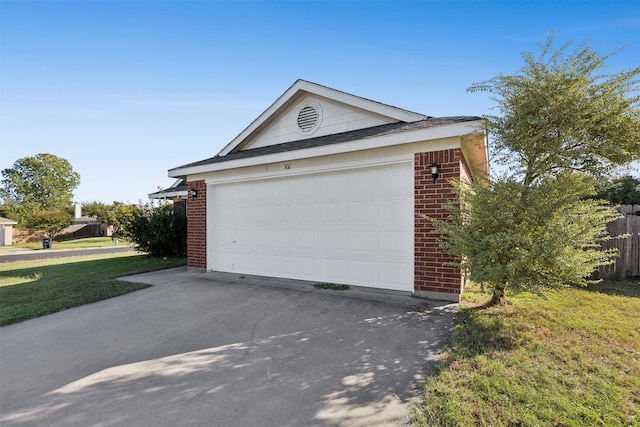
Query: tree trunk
498,295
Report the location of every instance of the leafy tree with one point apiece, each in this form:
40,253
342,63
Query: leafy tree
563,113
563,124
40,182
53,221
622,191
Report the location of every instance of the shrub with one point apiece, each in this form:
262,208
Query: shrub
160,231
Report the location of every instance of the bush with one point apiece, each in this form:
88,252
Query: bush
160,231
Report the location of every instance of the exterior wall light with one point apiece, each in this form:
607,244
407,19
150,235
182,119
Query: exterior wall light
435,171
193,193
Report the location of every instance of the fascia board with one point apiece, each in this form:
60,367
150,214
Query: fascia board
446,131
326,92
363,103
167,194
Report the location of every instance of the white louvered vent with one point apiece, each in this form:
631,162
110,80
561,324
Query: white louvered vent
308,118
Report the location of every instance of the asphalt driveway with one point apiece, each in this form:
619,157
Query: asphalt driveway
214,349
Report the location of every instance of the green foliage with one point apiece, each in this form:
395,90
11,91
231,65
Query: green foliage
331,286
53,221
563,124
532,238
7,212
161,231
622,191
563,112
41,182
118,216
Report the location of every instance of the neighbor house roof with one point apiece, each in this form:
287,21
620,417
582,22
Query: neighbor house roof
178,189
6,221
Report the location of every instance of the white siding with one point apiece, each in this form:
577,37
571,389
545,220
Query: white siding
336,118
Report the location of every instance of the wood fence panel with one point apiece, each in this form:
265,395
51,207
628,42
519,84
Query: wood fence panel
628,261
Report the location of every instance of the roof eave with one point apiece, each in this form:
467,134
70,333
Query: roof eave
425,134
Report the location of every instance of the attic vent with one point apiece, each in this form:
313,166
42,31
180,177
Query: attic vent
308,118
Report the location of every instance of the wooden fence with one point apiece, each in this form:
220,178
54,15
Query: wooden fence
75,231
628,261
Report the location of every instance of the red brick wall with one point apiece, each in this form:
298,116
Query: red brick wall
197,226
430,275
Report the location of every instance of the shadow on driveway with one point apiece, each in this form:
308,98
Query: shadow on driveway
214,349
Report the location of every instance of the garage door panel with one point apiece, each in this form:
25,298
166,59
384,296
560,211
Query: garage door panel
394,274
353,227
332,186
364,211
284,239
333,213
333,241
395,211
393,242
362,271
306,267
334,269
363,241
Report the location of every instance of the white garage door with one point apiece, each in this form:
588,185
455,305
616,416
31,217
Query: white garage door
349,227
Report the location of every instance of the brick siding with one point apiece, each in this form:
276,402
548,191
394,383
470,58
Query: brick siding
197,226
431,276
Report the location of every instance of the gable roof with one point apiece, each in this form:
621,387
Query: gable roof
353,124
377,131
303,87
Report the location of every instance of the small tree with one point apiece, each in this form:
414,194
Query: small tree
563,124
52,221
534,238
41,182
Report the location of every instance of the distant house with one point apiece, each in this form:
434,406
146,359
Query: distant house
6,231
327,186
175,193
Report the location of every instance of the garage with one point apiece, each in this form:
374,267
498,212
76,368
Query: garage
330,187
350,227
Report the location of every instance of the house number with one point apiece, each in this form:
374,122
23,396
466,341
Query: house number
287,166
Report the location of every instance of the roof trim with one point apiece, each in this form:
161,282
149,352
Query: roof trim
381,136
299,86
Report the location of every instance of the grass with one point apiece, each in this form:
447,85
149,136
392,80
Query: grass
91,242
31,289
570,360
331,286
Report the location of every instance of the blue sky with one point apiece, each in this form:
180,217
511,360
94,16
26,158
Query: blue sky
126,90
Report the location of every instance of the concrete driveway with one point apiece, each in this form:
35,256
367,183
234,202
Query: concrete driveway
214,349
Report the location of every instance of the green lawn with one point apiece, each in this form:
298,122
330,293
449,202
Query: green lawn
570,360
91,242
30,289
